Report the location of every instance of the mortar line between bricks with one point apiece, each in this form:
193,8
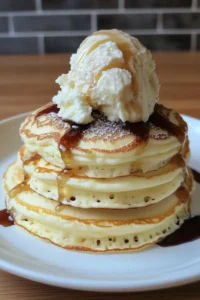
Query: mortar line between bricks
41,47
93,22
121,5
160,23
47,33
85,33
38,6
164,31
99,11
193,43
194,5
11,30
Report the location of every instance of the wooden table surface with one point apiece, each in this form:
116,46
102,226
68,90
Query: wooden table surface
27,82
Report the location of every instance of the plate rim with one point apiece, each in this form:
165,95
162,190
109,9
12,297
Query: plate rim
98,285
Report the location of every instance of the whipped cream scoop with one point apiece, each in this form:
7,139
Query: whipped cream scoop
111,72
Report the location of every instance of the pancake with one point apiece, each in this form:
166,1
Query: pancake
54,183
95,229
134,190
103,148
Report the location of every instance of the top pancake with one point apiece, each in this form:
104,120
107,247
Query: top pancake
104,148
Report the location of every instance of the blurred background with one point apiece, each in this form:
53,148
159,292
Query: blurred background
56,26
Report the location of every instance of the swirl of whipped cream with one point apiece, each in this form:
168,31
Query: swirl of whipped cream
111,72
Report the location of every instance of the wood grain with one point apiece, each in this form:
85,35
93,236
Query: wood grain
27,82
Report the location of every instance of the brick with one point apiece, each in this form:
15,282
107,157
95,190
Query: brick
127,21
17,5
157,3
198,42
166,42
52,23
79,4
182,20
3,24
14,45
62,44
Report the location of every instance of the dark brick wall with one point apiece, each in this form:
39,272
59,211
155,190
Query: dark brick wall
50,26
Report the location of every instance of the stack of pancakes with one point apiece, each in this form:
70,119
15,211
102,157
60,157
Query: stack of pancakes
105,186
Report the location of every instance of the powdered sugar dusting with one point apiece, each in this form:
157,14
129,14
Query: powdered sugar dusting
104,129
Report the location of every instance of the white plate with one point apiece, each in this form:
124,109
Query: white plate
27,256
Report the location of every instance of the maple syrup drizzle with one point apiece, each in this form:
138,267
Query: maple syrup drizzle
72,137
140,130
60,207
196,175
6,219
62,178
189,230
50,108
70,140
160,120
